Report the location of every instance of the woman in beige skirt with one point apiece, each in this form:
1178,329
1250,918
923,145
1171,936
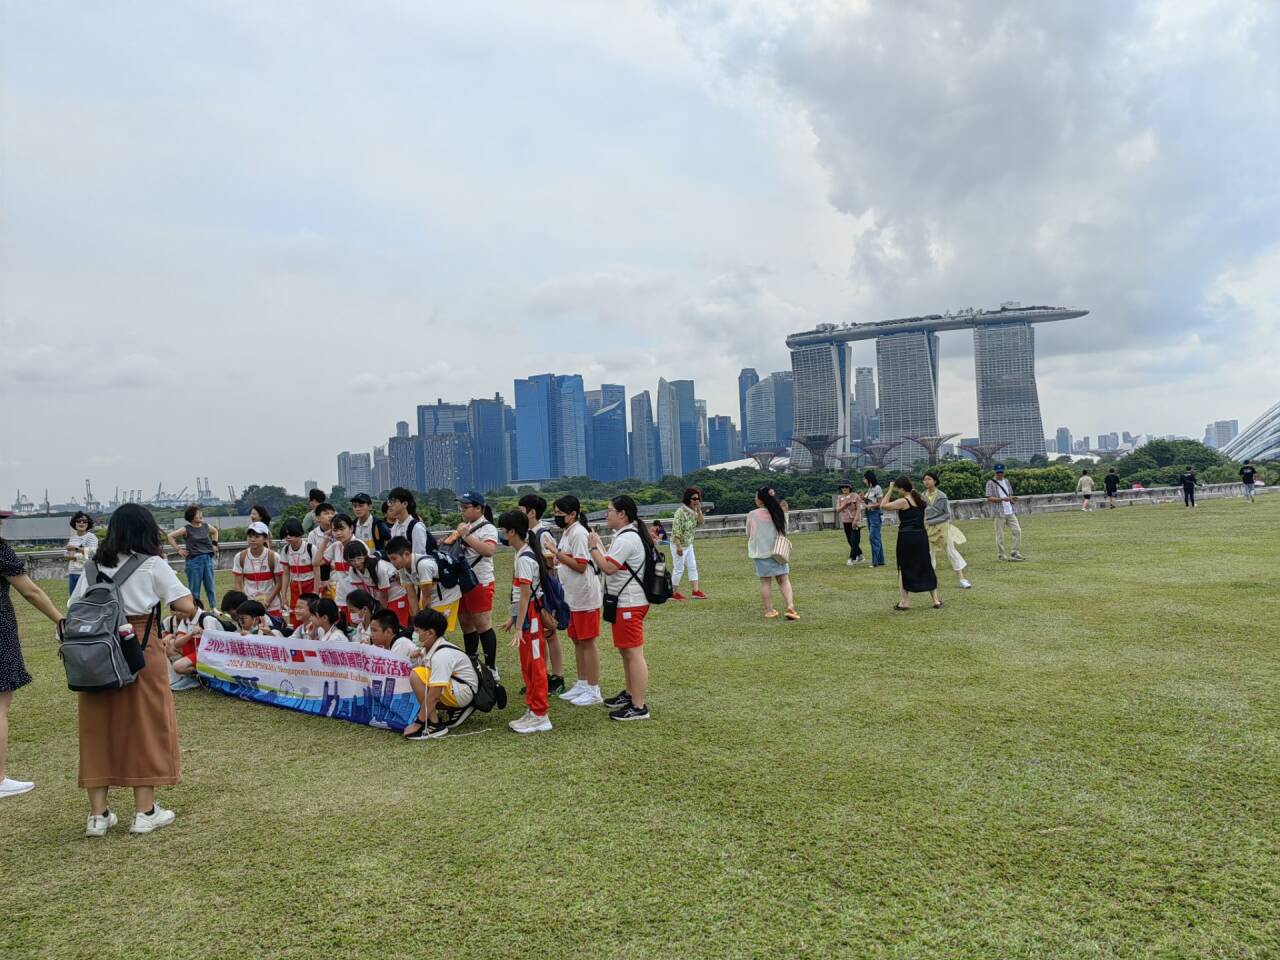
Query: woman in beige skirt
129,736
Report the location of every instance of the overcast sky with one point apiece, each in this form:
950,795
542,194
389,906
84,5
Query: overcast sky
238,238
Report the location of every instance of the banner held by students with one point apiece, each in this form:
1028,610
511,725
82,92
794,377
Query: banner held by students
360,683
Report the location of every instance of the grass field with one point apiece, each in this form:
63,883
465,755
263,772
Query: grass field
1078,758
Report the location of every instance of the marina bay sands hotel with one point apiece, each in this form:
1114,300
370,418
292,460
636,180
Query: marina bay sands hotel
907,362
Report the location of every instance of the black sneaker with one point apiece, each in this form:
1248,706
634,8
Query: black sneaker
555,684
421,734
621,700
435,731
629,711
501,697
459,716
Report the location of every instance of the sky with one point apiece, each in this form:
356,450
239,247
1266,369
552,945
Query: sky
237,238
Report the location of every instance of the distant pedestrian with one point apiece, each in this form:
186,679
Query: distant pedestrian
1112,482
915,566
1000,492
314,499
80,547
849,509
1248,476
943,534
658,532
1188,482
200,550
765,525
871,497
13,671
1084,486
688,518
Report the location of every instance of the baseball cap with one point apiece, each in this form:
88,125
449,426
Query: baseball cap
844,483
362,498
261,528
472,497
999,468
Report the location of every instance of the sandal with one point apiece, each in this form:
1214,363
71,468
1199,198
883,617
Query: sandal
771,615
413,729
791,614
898,606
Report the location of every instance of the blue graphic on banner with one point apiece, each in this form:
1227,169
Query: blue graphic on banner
354,682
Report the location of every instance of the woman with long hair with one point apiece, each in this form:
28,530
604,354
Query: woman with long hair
625,602
581,583
915,565
871,498
943,534
764,525
129,736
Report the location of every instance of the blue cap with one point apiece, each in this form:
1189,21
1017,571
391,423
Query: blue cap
472,497
999,468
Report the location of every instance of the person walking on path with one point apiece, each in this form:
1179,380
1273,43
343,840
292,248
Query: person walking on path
943,534
688,518
1248,475
1085,486
129,736
1112,483
871,506
80,547
200,549
915,563
849,508
13,671
1189,483
765,525
1000,492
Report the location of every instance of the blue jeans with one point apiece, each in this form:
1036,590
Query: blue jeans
72,580
873,531
200,571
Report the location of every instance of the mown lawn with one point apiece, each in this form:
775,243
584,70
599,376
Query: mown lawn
1078,758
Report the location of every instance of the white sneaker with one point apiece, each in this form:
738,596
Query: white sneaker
523,718
533,724
849,562
10,787
573,692
99,825
590,697
157,818
965,584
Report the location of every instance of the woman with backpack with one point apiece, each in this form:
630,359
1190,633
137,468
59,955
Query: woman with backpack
625,602
582,592
13,672
129,735
765,525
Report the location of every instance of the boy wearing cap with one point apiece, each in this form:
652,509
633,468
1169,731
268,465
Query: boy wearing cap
257,570
480,537
1000,492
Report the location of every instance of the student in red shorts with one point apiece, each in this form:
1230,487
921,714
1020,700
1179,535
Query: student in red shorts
526,621
581,583
475,615
623,566
299,558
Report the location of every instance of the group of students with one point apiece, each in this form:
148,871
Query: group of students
386,581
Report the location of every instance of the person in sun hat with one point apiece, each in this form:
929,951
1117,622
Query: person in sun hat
1000,492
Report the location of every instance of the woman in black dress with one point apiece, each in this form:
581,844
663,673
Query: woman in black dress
915,568
13,672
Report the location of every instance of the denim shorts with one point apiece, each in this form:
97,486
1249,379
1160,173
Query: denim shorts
769,567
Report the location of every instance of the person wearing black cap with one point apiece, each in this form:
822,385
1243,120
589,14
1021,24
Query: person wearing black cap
475,615
849,508
1000,492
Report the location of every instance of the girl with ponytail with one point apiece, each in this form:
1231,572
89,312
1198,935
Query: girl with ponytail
581,582
764,525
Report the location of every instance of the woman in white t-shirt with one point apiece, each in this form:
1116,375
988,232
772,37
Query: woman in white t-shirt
625,599
581,582
81,546
129,736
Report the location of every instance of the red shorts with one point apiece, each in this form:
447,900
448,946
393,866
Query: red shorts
297,589
628,627
584,624
478,599
189,649
401,609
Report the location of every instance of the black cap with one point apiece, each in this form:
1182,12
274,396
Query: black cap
362,498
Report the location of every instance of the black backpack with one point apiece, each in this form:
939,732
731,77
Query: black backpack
654,578
488,692
432,545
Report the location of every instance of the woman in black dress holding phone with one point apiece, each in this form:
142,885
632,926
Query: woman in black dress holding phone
915,568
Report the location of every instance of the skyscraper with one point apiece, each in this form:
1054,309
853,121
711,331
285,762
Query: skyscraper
447,460
344,469
436,420
402,428
381,470
771,412
908,367
359,474
609,442
401,452
569,427
704,452
1063,440
533,427
486,423
1004,357
820,373
669,428
646,462
722,440
551,420
864,403
747,378
1221,432
513,449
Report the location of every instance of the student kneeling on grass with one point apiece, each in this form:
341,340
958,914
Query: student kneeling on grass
445,684
182,639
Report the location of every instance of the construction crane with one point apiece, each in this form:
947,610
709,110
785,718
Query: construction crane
90,504
231,493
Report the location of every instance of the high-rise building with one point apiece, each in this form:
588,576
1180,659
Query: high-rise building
1221,432
771,412
447,462
569,427
402,428
513,449
1129,438
678,426
359,474
722,440
704,451
609,442
863,407
551,420
440,417
344,469
486,424
381,470
908,368
309,485
646,460
1004,356
402,454
820,373
747,378
533,427
1063,440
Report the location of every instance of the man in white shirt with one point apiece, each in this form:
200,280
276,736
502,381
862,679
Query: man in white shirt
1000,492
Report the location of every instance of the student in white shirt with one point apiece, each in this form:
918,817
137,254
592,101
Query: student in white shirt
258,571
526,621
402,514
254,620
361,609
327,619
385,632
446,681
544,541
480,536
332,556
623,568
581,582
379,577
420,576
320,536
298,555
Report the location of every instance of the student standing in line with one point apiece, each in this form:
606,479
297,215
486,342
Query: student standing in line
1112,483
13,671
688,518
581,583
765,524
526,621
1085,486
623,568
200,550
1189,483
402,514
320,536
544,541
257,570
480,538
1000,492
915,565
80,546
1248,476
298,557
314,498
849,509
943,534
871,497
129,736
